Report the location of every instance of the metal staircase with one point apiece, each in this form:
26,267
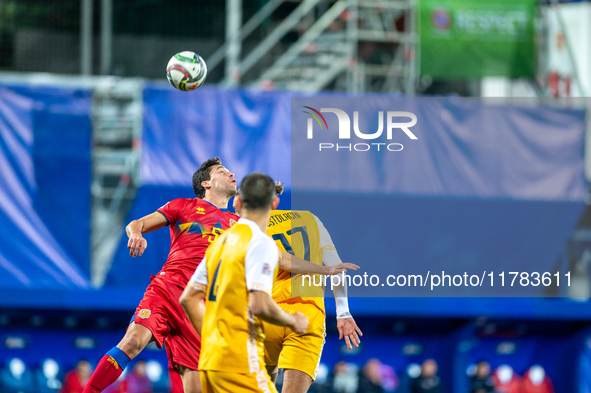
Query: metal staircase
315,60
331,49
117,127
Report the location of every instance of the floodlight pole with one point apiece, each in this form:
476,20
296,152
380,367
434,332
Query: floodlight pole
234,43
253,23
106,36
353,75
86,9
410,48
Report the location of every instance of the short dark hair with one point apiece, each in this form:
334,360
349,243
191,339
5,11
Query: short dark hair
257,191
279,187
202,174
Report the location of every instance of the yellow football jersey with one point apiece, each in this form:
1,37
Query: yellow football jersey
297,233
232,340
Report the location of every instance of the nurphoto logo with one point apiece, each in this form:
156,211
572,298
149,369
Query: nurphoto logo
393,123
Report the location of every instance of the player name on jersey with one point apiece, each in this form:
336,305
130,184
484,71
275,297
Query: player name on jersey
279,218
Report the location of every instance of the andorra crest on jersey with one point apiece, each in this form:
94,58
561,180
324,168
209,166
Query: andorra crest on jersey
232,222
144,313
266,269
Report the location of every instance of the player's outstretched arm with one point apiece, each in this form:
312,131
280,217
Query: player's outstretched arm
137,244
192,302
348,328
345,322
346,325
192,298
261,260
263,306
297,265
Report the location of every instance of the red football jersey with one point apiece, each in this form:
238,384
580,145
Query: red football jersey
194,225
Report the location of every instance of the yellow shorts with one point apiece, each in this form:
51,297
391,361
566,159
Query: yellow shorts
289,350
226,382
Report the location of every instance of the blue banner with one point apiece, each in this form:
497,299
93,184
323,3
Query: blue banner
248,130
428,146
39,208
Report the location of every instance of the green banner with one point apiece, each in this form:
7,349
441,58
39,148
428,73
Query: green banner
473,38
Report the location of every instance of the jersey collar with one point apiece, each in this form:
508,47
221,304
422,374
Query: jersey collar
222,210
253,225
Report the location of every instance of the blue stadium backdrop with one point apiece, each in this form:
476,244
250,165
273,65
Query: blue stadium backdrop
45,175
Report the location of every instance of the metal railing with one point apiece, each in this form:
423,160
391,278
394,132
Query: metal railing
309,64
117,128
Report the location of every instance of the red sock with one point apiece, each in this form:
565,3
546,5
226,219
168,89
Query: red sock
107,371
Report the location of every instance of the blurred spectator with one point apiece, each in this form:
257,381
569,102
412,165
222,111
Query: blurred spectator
389,378
561,70
156,374
76,379
137,380
413,371
47,377
119,385
506,381
370,380
16,377
320,385
537,381
482,381
428,381
345,378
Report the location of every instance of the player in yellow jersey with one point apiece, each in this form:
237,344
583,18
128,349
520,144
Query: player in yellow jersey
299,354
301,234
236,279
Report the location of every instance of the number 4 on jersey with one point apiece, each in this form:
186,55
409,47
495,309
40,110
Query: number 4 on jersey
214,289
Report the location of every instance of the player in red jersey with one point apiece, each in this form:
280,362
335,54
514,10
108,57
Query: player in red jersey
194,224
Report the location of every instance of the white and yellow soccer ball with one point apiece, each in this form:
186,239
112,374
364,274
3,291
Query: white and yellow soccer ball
186,71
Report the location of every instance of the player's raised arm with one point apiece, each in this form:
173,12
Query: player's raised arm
345,323
260,262
192,299
294,264
263,306
137,244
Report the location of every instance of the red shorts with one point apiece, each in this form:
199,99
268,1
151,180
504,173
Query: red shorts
161,312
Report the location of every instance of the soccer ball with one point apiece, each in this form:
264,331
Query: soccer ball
186,71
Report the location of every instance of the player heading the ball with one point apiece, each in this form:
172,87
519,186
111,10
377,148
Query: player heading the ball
194,225
236,280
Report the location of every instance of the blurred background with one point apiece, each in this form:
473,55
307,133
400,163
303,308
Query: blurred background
93,136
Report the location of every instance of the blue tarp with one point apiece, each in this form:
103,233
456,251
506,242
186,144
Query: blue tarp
249,130
465,148
44,187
